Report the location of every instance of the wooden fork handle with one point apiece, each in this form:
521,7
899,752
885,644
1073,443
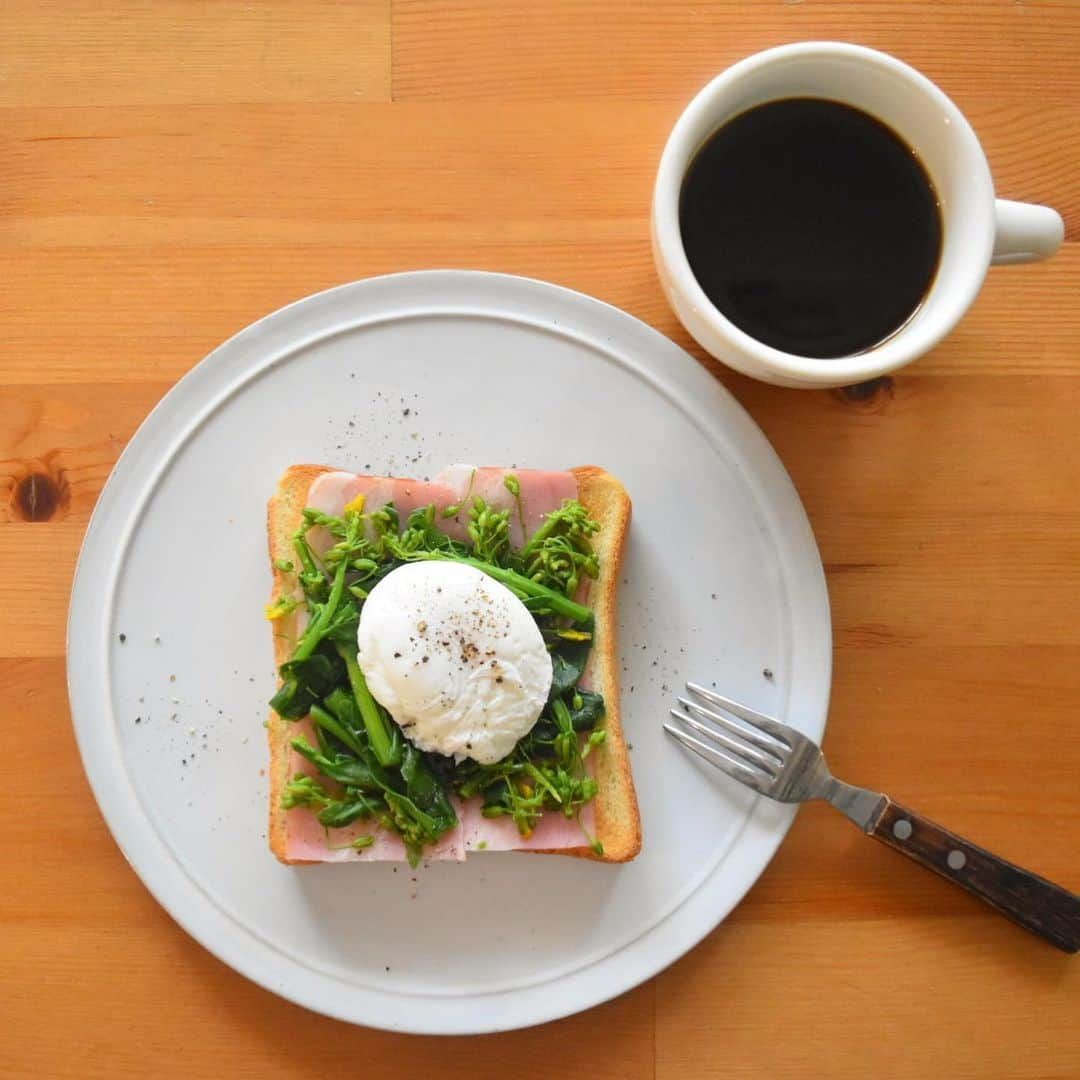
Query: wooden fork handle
1036,904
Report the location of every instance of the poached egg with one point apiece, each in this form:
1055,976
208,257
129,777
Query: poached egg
455,658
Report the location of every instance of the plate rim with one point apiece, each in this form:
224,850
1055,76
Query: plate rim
767,823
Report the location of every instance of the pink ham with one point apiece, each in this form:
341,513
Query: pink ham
333,491
541,493
410,495
553,831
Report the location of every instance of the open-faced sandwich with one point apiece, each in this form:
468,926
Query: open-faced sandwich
448,666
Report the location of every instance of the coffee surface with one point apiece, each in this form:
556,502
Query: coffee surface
811,225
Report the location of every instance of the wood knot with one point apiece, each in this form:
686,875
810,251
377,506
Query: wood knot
38,497
872,391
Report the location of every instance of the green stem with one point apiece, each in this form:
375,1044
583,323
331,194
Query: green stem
329,723
513,485
562,716
314,633
303,551
542,780
357,844
538,537
518,583
385,744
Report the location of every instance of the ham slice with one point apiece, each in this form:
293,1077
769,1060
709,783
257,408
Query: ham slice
541,493
553,832
333,491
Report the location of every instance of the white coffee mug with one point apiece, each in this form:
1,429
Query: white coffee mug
978,230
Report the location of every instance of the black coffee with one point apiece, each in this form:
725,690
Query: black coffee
811,226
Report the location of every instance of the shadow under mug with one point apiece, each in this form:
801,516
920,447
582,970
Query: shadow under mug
978,230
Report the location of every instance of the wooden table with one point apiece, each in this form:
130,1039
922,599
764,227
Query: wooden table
171,170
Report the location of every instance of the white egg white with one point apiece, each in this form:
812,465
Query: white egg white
456,659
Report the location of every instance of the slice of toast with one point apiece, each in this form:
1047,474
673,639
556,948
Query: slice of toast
617,822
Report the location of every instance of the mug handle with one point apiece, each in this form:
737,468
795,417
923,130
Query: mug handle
1025,232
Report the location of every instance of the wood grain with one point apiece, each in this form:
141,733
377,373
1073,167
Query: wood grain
157,52
637,50
934,984
170,171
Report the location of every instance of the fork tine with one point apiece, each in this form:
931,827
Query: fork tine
743,731
780,732
737,747
729,766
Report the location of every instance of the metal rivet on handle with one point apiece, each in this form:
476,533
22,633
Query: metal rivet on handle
902,829
956,860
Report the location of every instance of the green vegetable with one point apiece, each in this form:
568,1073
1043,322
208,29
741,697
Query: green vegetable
568,661
592,742
359,843
383,734
422,534
385,521
349,771
560,551
422,786
414,826
543,781
420,814
312,579
343,705
513,485
283,605
333,813
586,710
524,588
306,681
331,724
340,814
323,617
546,771
571,520
343,626
489,531
305,791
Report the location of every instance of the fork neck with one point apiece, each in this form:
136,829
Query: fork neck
859,805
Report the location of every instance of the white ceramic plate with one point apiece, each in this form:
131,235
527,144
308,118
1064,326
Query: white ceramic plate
169,661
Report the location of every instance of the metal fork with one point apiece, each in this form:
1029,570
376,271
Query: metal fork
781,763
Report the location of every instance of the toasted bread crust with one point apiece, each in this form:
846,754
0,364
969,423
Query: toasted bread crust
284,513
618,822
